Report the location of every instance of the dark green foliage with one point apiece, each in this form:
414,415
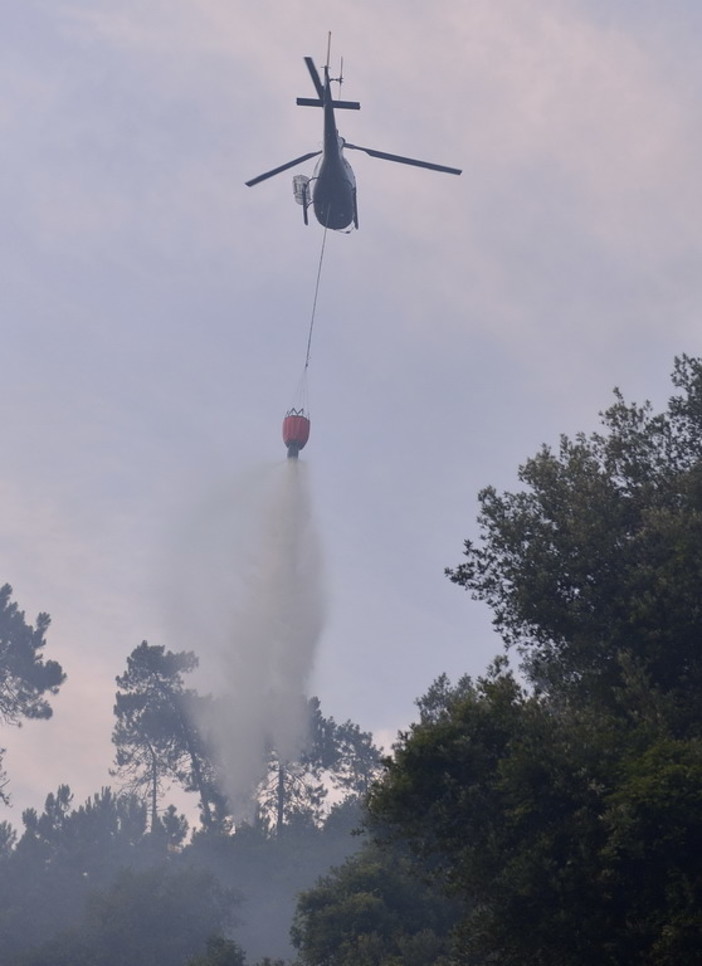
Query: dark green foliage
8,838
343,755
156,732
162,915
654,847
479,793
25,677
62,855
357,761
573,838
112,880
569,819
220,952
601,553
175,827
294,837
159,917
374,909
336,757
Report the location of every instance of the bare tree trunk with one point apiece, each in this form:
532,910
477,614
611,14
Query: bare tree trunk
280,798
154,792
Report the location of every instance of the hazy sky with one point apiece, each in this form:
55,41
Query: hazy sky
155,310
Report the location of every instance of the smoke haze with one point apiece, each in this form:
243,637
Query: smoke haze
254,592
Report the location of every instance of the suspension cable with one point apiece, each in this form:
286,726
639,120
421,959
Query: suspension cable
314,301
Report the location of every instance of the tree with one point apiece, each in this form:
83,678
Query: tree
568,818
356,762
599,559
374,909
64,853
156,731
162,915
572,838
291,793
155,917
25,677
8,838
336,757
220,952
175,827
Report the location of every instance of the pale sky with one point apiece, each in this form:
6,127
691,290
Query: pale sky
156,309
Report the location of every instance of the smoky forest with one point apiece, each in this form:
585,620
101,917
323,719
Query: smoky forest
545,813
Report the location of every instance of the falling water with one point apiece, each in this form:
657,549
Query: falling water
256,597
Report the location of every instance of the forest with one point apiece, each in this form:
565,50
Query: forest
547,813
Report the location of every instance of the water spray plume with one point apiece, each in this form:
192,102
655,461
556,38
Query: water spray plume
267,613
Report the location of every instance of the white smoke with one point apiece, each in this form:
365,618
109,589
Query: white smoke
255,596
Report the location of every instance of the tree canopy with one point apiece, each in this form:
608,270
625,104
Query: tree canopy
566,812
374,909
337,758
600,555
156,733
26,678
572,837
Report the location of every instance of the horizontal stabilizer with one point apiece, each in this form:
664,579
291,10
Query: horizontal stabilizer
315,102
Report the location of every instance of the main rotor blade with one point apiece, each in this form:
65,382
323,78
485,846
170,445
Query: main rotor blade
282,167
314,74
398,157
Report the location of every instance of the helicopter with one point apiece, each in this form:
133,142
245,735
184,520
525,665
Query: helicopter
332,188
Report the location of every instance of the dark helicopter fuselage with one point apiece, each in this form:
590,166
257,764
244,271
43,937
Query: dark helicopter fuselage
333,184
